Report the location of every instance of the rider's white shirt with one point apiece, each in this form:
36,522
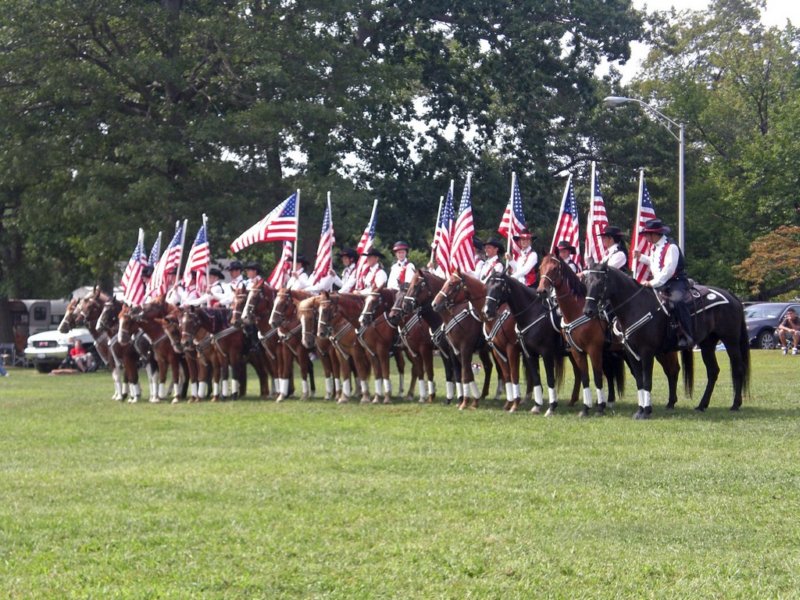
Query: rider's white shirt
661,272
527,261
375,277
491,265
614,257
406,268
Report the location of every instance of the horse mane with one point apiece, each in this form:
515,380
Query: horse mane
575,285
516,283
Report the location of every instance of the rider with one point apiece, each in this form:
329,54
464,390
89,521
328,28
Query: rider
616,254
403,270
347,283
565,252
668,268
237,279
375,276
524,268
298,278
253,272
789,325
219,292
493,247
150,294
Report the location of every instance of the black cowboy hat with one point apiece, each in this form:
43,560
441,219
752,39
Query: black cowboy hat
349,253
565,245
612,232
496,243
235,265
524,234
147,271
374,252
253,266
219,274
400,245
478,243
302,260
655,226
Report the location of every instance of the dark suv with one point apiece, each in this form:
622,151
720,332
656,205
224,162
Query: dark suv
763,320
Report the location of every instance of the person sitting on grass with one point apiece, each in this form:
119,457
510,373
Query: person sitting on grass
789,326
79,356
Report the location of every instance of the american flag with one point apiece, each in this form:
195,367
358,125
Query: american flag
597,223
568,227
199,259
365,244
513,220
132,284
462,256
644,213
279,225
324,261
443,236
168,261
280,274
155,251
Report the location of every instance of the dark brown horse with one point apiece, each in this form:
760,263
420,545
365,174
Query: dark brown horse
198,327
378,337
125,356
254,351
415,336
254,315
647,332
290,347
308,311
338,321
197,370
463,329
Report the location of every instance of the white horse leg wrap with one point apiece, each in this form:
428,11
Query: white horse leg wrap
234,386
640,395
225,388
346,388
587,397
421,388
473,388
176,388
328,386
552,395
285,387
538,395
402,387
431,387
378,387
202,389
509,392
162,390
449,389
646,398
387,387
338,385
515,390
364,386
305,386
215,388
193,389
459,389
601,399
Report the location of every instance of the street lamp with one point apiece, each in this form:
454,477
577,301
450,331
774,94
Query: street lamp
671,126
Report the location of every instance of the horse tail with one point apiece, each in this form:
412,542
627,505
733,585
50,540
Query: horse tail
619,372
687,358
558,362
744,350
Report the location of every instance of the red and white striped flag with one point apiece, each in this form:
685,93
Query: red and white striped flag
462,255
597,222
644,212
168,261
365,245
199,259
513,220
132,284
568,227
280,274
443,236
279,225
324,262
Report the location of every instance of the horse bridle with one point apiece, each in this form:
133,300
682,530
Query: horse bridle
503,286
410,298
279,313
450,294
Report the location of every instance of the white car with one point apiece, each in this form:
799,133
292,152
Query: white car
48,349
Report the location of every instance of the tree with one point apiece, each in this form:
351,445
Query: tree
773,267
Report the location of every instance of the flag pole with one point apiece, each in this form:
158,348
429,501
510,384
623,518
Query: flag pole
636,222
436,229
208,264
180,259
590,232
510,214
296,233
560,212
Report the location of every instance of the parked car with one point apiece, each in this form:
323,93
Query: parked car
48,349
762,321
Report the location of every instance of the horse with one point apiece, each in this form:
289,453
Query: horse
647,330
198,373
130,326
586,336
125,356
464,331
198,327
254,315
338,321
254,352
307,311
417,343
284,318
538,329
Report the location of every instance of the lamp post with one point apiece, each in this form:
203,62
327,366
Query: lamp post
671,126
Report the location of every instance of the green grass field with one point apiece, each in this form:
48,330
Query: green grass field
252,499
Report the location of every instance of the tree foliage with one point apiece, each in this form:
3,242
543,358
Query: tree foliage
773,267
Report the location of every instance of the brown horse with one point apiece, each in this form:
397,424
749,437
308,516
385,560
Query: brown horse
378,337
415,337
307,312
125,356
338,321
254,316
285,318
130,324
254,351
499,333
198,327
171,322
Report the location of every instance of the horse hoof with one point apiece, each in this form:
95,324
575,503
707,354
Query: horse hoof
537,409
342,400
551,412
155,400
670,406
387,400
235,396
584,412
507,405
601,410
132,400
735,407
175,400
699,408
280,398
214,398
514,406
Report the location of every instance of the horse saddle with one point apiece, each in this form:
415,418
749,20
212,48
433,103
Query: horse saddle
219,318
701,297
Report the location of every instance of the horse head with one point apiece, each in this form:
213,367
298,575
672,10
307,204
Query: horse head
190,324
596,281
68,320
306,310
281,309
550,275
419,291
325,316
237,307
371,303
396,310
125,330
497,293
108,314
172,327
453,292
